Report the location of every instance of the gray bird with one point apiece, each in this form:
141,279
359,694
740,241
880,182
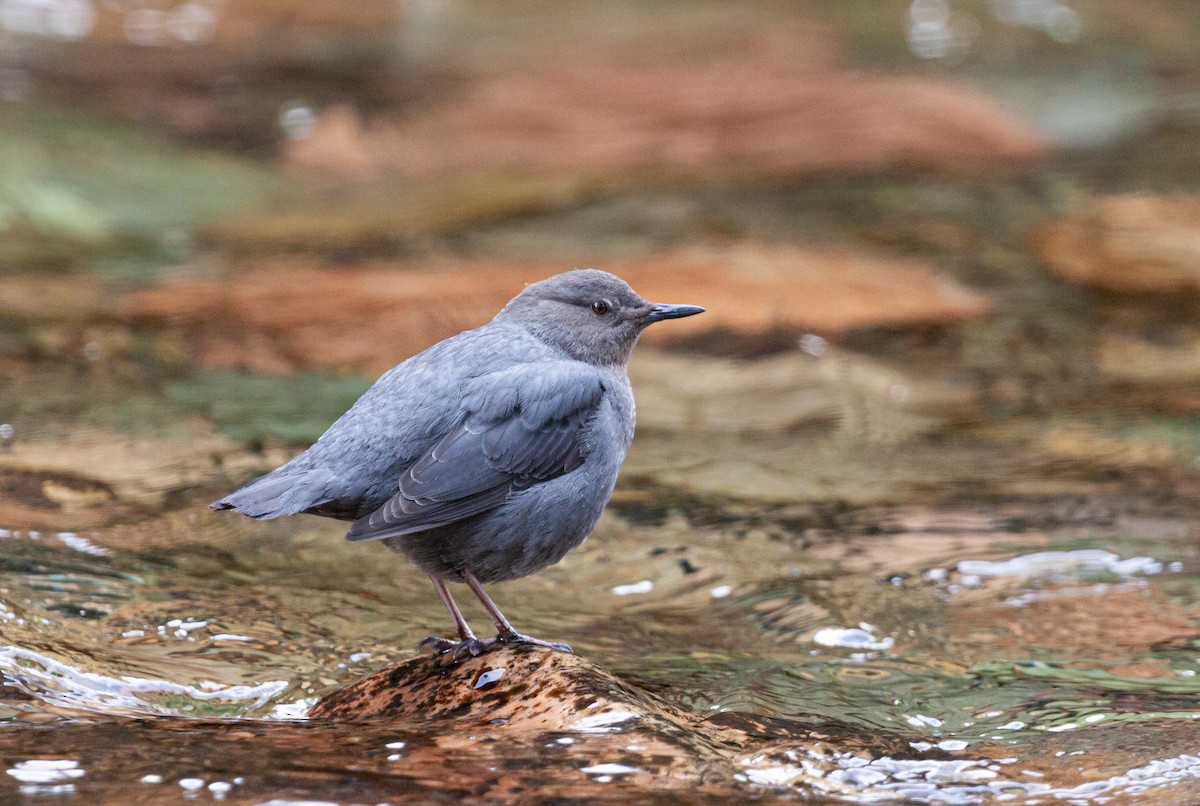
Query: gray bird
490,455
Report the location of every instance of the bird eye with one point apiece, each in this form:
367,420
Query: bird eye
599,307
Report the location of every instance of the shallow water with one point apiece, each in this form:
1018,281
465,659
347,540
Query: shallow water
989,655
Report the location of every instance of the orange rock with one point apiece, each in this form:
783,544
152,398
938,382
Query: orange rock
1137,242
760,105
1080,624
278,317
753,287
523,688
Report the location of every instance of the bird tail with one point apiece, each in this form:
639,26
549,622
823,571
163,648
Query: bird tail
280,493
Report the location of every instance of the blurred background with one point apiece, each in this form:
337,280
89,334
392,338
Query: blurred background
926,470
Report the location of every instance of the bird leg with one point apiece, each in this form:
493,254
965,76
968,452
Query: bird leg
468,641
507,634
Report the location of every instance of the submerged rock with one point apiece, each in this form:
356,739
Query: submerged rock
279,317
767,102
1136,242
93,475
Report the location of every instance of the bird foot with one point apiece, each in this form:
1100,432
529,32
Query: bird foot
477,646
471,646
518,638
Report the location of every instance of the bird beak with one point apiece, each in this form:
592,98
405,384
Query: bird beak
663,311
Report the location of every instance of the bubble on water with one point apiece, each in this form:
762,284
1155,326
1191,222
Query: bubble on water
852,638
603,723
297,120
192,783
81,544
610,769
61,684
152,779
1031,13
813,344
959,781
225,636
6,431
192,22
950,39
293,710
922,721
1061,563
146,26
929,12
22,17
645,586
45,770
1063,24
70,19
721,591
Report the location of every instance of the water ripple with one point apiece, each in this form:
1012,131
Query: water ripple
61,684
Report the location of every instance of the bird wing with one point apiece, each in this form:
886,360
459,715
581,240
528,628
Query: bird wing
520,426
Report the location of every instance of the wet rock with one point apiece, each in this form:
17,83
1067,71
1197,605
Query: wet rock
1079,623
520,688
86,477
280,316
766,102
52,298
523,694
1122,442
1131,243
755,287
1128,361
380,220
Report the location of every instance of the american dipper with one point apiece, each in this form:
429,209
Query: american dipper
490,455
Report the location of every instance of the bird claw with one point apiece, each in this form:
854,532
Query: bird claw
518,638
477,646
471,646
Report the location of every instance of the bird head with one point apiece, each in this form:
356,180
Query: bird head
591,315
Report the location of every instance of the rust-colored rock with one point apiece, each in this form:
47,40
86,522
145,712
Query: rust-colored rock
85,478
598,725
1081,624
524,693
758,105
1137,242
519,687
52,298
282,317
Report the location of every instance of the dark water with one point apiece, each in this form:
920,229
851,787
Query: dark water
964,554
